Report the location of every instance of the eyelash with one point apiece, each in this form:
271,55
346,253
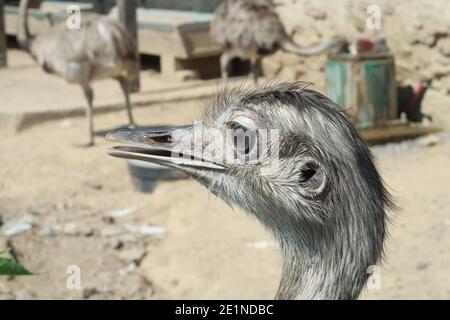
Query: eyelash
236,125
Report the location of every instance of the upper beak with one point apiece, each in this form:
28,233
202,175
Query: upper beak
173,147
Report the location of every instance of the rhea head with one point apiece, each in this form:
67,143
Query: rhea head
298,165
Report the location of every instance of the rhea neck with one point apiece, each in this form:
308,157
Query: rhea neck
290,46
328,260
319,273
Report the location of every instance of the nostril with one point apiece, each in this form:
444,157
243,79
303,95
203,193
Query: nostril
162,139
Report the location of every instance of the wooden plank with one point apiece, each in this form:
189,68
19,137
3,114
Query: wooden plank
127,15
3,60
396,132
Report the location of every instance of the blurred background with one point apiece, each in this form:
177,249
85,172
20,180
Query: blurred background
140,232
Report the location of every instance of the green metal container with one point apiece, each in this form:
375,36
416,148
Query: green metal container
364,86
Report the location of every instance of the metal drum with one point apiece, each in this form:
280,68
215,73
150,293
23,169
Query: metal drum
363,85
145,176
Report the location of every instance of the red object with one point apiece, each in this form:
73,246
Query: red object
419,90
364,45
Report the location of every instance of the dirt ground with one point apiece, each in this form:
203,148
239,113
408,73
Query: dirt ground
209,251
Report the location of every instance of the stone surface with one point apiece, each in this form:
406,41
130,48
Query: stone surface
24,295
420,39
429,141
132,255
444,46
111,231
314,11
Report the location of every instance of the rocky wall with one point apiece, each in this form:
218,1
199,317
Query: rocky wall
417,31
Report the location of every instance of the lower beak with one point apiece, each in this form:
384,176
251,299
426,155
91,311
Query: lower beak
171,147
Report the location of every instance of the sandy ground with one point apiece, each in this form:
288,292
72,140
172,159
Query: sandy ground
208,251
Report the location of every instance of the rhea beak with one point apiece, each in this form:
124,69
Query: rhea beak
172,147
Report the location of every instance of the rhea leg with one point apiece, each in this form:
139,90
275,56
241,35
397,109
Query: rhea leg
124,84
255,65
225,59
89,94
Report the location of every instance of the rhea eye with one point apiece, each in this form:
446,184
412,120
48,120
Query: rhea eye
243,139
312,179
243,135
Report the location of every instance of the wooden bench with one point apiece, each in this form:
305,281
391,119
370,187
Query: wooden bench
180,38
